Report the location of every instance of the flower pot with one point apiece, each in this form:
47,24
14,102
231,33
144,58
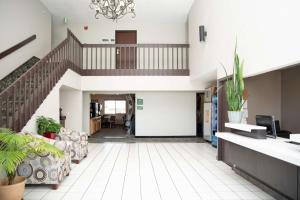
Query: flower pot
12,192
50,135
235,116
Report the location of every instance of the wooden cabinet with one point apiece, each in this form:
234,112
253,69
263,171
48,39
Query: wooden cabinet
95,125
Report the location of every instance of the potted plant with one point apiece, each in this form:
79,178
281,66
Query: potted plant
48,127
14,148
235,90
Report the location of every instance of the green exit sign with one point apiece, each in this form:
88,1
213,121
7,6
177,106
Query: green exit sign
140,102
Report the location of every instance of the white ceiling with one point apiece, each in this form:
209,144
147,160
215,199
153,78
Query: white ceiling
78,11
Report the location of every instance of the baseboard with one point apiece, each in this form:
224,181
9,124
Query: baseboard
167,136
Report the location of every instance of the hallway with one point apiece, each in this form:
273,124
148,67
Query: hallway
106,133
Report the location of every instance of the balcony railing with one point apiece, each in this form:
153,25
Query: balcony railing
135,59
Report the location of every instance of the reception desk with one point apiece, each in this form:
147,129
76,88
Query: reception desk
272,164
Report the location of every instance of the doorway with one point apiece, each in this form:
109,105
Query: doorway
126,56
115,115
199,114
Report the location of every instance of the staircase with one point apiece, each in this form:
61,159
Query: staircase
20,100
13,76
20,97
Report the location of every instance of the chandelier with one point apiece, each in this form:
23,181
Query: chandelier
113,9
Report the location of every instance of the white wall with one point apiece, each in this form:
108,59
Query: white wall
166,114
86,112
20,20
178,90
71,104
176,93
267,33
140,83
50,106
203,64
147,32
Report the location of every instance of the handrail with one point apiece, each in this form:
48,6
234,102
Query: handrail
17,46
34,66
21,99
70,34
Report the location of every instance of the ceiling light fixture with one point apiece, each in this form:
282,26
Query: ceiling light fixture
113,9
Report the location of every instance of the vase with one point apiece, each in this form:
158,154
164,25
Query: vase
14,191
235,116
50,135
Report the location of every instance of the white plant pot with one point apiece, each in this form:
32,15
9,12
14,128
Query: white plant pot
235,116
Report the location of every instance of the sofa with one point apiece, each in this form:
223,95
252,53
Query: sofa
45,168
79,143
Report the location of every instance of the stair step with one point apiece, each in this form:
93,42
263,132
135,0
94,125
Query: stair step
14,75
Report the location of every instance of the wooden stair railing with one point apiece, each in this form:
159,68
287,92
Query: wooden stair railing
17,46
21,99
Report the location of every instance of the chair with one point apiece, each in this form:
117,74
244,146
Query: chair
124,121
281,133
106,121
79,141
45,168
112,121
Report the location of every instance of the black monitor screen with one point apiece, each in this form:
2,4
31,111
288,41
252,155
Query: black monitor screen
267,121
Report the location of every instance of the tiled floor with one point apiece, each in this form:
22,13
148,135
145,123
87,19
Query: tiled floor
118,134
154,171
115,132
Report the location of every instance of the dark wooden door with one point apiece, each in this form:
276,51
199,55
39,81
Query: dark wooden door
126,56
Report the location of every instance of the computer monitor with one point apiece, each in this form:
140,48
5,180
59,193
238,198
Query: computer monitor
269,122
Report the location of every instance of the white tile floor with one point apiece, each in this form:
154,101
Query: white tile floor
154,171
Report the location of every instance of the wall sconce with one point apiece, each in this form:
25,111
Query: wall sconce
65,20
202,33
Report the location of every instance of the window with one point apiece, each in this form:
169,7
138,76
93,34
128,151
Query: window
121,107
110,107
115,107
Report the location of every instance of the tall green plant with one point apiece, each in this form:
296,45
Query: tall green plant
47,125
235,88
14,148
